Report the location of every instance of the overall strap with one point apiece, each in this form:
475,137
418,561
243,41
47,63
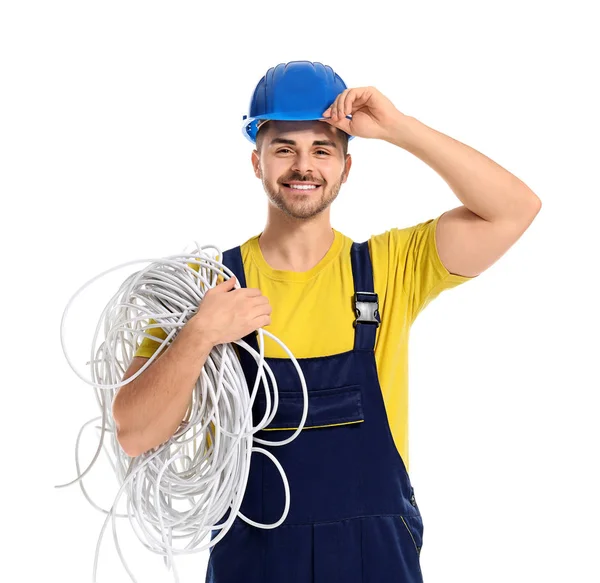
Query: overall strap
232,258
365,300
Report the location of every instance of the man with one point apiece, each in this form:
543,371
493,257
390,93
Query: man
344,309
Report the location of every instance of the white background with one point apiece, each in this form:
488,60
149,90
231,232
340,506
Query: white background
120,138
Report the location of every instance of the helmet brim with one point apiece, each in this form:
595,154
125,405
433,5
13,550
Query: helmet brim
252,124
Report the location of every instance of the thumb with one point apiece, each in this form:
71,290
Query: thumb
227,284
341,124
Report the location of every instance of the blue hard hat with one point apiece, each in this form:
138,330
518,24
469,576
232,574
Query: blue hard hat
294,91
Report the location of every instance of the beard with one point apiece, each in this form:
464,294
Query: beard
302,206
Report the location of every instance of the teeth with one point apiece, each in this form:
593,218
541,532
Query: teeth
303,187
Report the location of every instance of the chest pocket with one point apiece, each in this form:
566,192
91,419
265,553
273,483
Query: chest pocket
326,408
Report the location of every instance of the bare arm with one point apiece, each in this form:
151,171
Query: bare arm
149,410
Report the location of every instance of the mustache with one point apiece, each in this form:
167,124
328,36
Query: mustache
296,178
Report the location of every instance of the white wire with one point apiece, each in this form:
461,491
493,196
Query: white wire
182,488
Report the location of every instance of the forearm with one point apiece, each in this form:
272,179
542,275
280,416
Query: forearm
483,186
149,410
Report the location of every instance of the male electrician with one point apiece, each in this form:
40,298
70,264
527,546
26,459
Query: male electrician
344,309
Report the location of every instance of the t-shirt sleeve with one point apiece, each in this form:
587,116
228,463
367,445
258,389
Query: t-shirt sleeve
429,275
148,346
414,266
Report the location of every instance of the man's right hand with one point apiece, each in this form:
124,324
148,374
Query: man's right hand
226,314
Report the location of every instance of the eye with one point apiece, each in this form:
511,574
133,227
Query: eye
288,150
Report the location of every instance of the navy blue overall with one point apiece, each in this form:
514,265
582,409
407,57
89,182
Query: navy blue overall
353,517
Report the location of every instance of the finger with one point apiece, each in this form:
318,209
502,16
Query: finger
259,301
259,316
351,102
250,292
330,111
223,285
346,104
339,104
342,124
356,99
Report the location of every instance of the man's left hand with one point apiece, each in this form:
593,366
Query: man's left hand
373,114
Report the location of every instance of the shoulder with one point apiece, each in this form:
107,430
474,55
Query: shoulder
397,240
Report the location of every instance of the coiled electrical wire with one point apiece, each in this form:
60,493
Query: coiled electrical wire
182,488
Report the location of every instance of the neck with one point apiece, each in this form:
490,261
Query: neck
296,247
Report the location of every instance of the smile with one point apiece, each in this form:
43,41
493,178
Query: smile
302,188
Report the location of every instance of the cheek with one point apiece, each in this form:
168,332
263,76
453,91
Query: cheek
274,171
332,174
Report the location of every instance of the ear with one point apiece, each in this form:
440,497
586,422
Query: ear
347,167
256,163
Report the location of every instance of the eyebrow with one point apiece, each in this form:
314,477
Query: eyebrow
293,143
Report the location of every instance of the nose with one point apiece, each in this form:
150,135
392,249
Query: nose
302,163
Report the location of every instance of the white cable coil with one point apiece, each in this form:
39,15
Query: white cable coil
202,479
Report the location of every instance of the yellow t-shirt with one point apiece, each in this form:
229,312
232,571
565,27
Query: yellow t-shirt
312,317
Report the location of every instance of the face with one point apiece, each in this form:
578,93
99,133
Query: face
289,154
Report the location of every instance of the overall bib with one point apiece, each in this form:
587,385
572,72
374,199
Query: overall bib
353,517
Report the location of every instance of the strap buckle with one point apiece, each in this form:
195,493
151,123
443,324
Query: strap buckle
366,308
